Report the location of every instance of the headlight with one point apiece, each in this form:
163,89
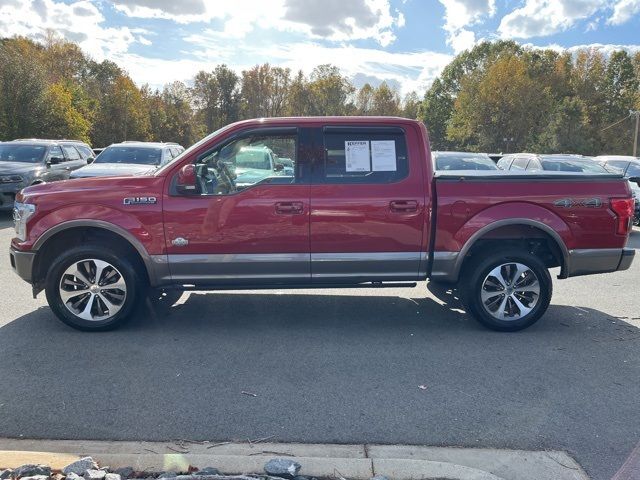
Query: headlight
11,179
21,214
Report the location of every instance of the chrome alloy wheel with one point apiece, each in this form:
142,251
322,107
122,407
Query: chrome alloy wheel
93,289
510,291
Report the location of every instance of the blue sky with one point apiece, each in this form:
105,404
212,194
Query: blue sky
406,42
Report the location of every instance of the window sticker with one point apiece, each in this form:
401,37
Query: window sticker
383,156
357,156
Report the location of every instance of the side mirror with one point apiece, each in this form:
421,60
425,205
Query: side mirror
55,160
186,183
278,167
635,180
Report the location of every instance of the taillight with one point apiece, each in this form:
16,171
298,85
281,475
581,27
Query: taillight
623,208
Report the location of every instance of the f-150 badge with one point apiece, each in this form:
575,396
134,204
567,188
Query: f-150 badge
578,202
139,200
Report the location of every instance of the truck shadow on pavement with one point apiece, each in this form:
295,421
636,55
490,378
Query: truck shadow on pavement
379,369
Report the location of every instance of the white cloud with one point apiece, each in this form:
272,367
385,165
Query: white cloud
358,19
79,21
538,18
461,14
623,11
412,70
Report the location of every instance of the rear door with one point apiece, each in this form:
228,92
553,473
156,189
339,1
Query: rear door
367,205
74,159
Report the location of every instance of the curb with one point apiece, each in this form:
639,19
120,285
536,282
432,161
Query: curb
353,462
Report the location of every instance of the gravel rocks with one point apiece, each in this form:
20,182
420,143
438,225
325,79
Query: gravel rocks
31,471
92,474
4,474
168,475
36,477
80,466
282,467
379,477
208,471
124,472
112,476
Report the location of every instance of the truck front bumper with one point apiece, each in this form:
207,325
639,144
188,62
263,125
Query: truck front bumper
599,260
22,263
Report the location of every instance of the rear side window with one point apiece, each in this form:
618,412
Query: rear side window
504,163
85,152
520,163
361,155
534,165
70,152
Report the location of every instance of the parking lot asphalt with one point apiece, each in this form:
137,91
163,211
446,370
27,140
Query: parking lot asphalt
340,366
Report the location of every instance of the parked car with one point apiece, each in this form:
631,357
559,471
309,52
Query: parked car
463,161
363,208
252,164
31,161
630,168
531,162
130,158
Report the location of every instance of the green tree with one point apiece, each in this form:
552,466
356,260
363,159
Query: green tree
63,119
503,102
411,105
364,99
22,89
330,91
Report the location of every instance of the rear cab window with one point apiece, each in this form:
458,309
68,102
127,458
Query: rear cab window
363,155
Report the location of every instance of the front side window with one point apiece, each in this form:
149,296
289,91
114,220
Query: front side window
245,162
56,152
362,155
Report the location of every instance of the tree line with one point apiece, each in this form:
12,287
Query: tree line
501,96
496,97
53,90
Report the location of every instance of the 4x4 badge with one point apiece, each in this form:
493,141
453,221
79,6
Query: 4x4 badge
580,202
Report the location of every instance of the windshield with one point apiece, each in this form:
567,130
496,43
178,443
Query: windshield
135,155
573,166
257,159
22,153
464,162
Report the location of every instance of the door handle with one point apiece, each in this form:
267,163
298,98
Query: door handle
403,206
290,208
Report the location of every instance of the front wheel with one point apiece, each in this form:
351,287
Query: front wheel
91,288
508,291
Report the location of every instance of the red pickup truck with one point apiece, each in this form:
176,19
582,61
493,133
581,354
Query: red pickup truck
357,204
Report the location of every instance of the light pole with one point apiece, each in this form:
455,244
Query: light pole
635,113
508,140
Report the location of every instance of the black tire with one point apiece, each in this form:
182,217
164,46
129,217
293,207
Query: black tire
478,271
125,266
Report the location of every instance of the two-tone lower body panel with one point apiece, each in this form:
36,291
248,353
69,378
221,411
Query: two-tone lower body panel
294,268
447,265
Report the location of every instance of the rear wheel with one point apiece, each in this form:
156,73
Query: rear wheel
92,288
508,291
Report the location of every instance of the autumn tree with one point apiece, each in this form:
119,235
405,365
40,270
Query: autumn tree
502,102
330,91
385,101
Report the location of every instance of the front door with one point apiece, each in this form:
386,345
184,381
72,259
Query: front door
249,223
368,213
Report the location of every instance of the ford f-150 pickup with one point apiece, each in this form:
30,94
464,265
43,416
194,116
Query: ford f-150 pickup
362,206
